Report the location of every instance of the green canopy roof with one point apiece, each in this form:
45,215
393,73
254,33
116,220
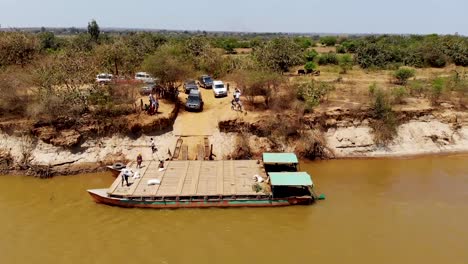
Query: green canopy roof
290,179
279,158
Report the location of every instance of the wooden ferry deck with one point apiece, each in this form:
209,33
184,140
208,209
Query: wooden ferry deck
186,178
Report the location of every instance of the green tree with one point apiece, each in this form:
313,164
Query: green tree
17,48
116,58
48,41
328,58
258,83
372,55
328,41
62,81
303,42
310,66
279,54
313,92
310,55
93,30
168,65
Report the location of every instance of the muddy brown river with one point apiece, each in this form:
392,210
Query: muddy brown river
377,211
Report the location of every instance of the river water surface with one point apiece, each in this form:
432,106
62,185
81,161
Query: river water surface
377,211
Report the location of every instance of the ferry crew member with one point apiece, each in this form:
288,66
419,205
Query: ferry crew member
139,160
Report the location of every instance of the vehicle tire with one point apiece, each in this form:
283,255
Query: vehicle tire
118,166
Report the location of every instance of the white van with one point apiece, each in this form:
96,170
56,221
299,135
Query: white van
143,76
104,78
219,89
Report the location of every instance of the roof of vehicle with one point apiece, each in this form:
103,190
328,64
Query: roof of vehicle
105,74
194,92
290,179
205,76
217,82
279,158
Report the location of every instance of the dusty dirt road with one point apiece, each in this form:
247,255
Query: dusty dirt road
194,126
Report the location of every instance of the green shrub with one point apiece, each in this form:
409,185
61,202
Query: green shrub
311,55
349,45
310,65
346,63
403,74
313,92
384,124
436,89
372,88
373,55
328,41
340,49
417,87
399,93
328,58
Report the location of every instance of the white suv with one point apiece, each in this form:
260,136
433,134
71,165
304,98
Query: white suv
219,89
143,76
104,78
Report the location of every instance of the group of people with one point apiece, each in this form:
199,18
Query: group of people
153,104
127,173
236,100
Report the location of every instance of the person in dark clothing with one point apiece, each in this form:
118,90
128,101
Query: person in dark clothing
139,161
125,175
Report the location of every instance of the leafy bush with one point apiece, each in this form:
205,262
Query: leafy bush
313,92
436,89
340,49
372,55
328,58
399,93
417,87
403,74
310,65
311,55
279,54
350,45
384,124
328,40
346,63
434,56
303,42
372,88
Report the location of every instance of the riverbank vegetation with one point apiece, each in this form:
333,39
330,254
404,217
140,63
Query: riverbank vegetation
47,77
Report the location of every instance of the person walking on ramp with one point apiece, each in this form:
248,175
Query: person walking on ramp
153,146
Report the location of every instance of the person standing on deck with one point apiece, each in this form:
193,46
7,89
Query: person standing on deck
139,160
125,175
153,146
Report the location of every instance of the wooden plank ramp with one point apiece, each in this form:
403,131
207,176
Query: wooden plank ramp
184,155
206,142
177,148
200,152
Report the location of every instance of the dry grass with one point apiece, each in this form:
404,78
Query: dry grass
321,49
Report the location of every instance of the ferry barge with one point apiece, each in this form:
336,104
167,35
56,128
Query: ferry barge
272,181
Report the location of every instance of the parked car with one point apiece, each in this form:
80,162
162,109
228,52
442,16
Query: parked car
219,89
190,85
206,81
194,101
144,77
103,78
148,88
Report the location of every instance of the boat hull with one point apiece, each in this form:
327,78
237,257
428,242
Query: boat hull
115,172
100,196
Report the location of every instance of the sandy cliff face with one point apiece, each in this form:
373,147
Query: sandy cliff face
439,132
